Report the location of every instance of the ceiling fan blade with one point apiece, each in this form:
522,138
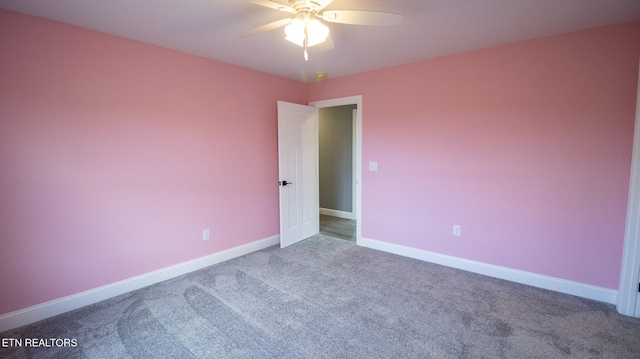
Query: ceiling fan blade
268,27
361,17
324,4
273,5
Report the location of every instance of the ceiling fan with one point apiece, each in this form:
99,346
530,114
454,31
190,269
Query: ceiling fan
305,29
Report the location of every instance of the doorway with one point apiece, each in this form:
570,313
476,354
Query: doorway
336,159
340,196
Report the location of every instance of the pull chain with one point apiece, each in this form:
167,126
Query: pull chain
306,41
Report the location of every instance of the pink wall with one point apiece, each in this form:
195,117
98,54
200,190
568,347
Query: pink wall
115,155
526,146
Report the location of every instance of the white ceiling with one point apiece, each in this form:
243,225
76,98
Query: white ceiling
431,28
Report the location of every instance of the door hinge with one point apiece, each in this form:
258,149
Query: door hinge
638,287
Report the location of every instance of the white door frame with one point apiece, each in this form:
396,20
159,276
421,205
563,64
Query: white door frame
352,100
354,160
628,299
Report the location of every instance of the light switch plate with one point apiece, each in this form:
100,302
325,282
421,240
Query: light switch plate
373,166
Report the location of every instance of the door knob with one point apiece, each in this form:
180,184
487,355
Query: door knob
284,183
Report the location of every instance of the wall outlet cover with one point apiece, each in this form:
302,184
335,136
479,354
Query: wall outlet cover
456,230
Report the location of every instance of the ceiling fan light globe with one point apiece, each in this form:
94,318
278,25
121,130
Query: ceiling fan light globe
314,31
295,32
317,32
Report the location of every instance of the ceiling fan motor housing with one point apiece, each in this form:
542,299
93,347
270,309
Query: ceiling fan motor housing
304,5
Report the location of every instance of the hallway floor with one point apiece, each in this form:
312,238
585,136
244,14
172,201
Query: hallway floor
338,227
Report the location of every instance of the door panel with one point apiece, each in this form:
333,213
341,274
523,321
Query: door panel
298,166
628,300
291,196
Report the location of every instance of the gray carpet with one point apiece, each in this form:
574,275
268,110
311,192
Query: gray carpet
328,298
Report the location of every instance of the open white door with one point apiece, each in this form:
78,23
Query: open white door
628,302
298,171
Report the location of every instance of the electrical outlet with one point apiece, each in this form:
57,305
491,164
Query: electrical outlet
206,235
456,230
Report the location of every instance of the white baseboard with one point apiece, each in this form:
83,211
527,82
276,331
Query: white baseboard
58,306
536,280
336,213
